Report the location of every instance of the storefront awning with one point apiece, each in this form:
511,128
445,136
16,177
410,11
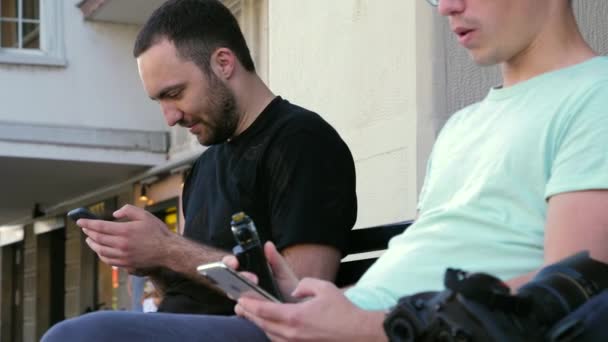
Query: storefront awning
10,234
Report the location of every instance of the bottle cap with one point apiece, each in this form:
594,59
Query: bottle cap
238,217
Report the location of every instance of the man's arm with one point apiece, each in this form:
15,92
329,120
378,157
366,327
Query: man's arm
310,177
145,246
186,255
576,221
325,315
315,261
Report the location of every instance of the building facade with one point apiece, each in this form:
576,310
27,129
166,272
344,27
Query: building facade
77,129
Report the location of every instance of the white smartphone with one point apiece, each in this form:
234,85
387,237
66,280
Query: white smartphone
232,283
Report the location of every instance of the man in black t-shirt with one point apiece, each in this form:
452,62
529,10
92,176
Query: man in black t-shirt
281,164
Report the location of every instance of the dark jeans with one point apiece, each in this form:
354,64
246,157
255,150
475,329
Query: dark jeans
118,326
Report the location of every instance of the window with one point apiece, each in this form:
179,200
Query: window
166,211
30,32
20,24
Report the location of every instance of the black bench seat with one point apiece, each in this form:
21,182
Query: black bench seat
366,240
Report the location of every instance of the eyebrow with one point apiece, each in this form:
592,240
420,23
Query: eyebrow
163,92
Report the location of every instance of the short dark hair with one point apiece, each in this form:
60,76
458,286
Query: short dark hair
197,28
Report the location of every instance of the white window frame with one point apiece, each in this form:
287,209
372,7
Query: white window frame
51,50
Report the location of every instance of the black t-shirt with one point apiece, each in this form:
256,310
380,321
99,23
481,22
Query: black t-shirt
289,171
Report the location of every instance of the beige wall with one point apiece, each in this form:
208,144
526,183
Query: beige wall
387,74
99,87
354,63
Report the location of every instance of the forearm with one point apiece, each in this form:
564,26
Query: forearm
370,327
314,261
183,256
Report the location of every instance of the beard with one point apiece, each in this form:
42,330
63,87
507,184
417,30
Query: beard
222,118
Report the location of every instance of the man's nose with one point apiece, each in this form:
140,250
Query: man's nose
171,113
451,7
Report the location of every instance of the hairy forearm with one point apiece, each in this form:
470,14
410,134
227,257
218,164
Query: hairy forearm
183,256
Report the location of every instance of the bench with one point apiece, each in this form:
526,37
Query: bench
366,240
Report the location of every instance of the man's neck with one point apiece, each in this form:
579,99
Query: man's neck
252,96
559,45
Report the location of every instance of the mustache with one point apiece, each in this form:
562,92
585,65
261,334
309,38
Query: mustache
187,124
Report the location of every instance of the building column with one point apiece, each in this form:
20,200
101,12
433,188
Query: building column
50,273
30,268
80,268
7,292
43,286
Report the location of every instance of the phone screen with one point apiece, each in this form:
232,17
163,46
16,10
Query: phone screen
231,283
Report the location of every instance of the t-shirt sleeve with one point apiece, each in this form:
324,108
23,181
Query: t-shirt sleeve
311,181
581,159
425,184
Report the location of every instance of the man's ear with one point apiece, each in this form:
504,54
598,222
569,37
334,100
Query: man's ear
223,63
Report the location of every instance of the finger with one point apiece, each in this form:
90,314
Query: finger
270,328
239,311
130,212
231,261
265,309
311,287
250,276
278,264
103,227
275,338
104,251
103,239
113,262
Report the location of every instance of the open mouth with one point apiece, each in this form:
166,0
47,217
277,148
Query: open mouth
464,35
462,31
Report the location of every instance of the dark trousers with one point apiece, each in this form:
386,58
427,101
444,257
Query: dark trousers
115,326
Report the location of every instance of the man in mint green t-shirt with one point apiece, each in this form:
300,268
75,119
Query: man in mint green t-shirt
495,171
516,181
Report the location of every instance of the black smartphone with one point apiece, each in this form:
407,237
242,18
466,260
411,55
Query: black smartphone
84,213
250,253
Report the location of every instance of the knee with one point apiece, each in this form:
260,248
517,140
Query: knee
62,331
79,329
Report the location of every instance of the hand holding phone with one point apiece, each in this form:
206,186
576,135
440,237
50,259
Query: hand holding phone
78,213
232,283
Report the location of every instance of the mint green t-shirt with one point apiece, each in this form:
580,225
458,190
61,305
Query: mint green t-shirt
484,202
